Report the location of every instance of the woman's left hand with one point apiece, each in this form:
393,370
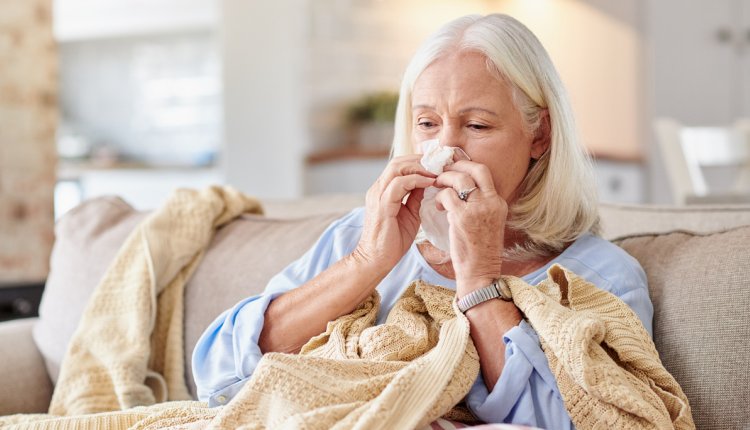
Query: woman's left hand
477,225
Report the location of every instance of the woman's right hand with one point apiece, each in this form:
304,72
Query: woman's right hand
391,225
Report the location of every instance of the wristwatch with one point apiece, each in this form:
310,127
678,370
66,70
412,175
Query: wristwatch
492,291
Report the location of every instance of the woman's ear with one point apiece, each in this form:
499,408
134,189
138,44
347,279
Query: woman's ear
542,137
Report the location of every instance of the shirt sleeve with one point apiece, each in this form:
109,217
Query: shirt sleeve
227,353
526,392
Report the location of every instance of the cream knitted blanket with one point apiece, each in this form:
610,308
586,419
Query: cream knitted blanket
606,365
401,374
604,361
128,348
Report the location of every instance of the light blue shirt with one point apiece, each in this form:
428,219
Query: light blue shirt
526,393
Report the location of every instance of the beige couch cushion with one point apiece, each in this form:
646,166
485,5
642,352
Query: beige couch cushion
238,264
25,387
86,240
699,284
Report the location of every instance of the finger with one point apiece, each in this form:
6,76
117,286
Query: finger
414,201
456,180
480,173
400,186
401,166
406,165
447,199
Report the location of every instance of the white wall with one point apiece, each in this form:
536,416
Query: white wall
597,47
265,125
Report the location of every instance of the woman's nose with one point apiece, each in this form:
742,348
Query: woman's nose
451,138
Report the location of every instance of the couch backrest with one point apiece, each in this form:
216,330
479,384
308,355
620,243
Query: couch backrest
697,260
700,288
619,220
698,282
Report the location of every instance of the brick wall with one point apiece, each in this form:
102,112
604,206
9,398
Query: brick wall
28,118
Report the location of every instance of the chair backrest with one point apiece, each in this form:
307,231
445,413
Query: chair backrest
686,150
680,178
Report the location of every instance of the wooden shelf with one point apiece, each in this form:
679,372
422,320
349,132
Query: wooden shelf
619,158
350,152
353,152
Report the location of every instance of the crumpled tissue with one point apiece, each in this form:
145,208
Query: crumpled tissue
435,222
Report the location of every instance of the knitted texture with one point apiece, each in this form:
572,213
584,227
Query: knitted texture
128,348
402,374
605,363
178,414
416,367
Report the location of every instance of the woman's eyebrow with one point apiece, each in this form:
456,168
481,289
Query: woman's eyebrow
469,109
461,112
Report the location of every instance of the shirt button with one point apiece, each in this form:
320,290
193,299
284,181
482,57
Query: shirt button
221,399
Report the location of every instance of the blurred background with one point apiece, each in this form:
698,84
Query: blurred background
292,98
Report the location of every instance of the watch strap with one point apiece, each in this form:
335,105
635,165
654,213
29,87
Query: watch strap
492,291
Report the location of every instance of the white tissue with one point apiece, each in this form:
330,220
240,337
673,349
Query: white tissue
436,157
434,222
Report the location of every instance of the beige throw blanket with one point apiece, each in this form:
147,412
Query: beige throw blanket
606,365
401,374
128,348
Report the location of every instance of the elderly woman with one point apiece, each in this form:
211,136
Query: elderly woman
522,200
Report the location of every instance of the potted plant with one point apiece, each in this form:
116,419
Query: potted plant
371,119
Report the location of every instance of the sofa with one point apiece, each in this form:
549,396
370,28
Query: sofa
697,260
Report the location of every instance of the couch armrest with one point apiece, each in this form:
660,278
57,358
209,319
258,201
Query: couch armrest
25,387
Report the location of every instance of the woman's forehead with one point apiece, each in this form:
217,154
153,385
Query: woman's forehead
461,79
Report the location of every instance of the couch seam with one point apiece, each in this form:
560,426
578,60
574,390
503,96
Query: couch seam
682,231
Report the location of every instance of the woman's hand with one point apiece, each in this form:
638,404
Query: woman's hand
477,233
477,225
391,225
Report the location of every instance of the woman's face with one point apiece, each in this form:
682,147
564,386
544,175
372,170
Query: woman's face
457,100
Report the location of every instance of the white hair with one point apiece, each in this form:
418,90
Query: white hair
557,201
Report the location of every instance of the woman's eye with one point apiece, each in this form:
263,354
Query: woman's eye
477,127
425,124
